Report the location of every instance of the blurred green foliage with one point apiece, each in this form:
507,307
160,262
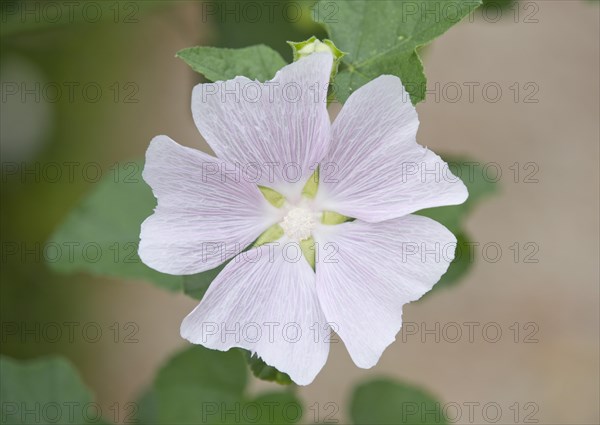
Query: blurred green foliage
80,133
287,20
199,385
499,4
196,385
384,401
43,391
454,216
42,16
108,221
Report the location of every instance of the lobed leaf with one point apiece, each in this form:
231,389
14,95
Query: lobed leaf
258,62
383,37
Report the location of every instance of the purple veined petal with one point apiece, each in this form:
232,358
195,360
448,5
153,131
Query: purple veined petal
278,130
375,170
366,272
204,216
265,301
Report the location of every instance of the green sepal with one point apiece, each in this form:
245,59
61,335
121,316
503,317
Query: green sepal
311,186
265,372
308,249
301,49
332,218
270,235
275,198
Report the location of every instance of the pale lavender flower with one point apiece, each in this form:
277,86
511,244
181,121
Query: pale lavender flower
271,301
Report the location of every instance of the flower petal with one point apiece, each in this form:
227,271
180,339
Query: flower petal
266,302
278,130
375,170
204,215
368,271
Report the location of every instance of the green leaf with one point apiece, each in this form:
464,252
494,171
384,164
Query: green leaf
216,64
384,401
382,37
42,391
265,372
103,231
197,384
478,186
273,408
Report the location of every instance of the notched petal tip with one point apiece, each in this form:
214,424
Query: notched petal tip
369,318
457,188
263,289
155,152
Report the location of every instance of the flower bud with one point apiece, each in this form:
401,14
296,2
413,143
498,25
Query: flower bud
314,45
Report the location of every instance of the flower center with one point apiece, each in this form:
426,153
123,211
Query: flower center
298,223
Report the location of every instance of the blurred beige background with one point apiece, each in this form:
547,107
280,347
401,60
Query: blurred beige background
560,294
